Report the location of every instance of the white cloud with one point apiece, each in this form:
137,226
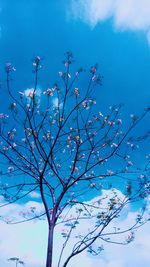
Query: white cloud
126,14
29,94
56,103
134,254
34,194
28,241
37,205
108,258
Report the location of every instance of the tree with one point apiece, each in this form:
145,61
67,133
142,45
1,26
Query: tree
60,145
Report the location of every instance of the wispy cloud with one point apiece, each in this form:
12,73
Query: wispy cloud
126,14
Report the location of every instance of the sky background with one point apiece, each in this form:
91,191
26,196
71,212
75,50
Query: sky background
113,33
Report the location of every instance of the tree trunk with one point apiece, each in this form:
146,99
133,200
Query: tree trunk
50,247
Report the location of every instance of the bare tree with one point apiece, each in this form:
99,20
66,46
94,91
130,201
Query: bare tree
59,145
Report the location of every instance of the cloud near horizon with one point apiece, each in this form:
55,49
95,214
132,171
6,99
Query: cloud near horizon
28,241
131,15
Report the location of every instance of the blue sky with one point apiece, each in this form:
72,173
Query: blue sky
115,34
30,27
